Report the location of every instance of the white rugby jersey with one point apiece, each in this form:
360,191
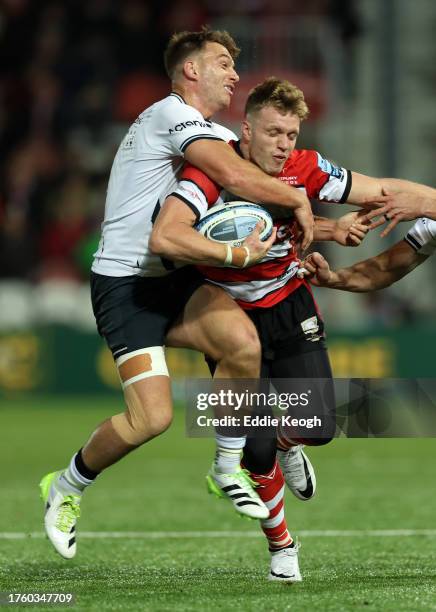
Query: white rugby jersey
275,277
422,236
143,173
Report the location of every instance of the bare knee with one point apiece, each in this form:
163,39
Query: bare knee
148,411
241,356
158,423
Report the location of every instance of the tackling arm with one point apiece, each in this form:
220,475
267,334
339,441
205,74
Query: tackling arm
174,237
369,275
220,162
395,199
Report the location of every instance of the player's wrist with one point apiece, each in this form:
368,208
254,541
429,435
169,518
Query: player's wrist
428,208
237,257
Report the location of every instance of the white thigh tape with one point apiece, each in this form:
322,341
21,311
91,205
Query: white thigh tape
140,364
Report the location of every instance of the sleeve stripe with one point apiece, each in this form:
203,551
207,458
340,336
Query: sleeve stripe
188,203
192,139
347,187
413,242
188,180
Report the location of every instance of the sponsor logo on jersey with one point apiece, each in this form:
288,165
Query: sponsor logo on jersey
310,327
290,180
190,192
326,166
181,126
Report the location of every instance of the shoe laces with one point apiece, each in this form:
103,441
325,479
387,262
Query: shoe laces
68,513
246,483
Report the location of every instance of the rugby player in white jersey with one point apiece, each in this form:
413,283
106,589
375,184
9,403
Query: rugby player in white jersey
386,268
137,295
279,303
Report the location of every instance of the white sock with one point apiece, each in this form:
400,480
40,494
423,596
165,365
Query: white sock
228,454
71,481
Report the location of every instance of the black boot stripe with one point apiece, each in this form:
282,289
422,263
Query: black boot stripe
282,575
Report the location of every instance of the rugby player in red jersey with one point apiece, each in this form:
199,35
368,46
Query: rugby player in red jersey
279,303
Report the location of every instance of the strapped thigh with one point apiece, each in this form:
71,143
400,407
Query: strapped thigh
140,364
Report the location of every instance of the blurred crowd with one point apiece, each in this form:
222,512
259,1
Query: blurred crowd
73,75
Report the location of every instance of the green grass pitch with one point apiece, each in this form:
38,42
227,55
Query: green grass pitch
362,485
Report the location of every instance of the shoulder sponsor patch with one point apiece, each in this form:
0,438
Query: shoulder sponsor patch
326,166
185,124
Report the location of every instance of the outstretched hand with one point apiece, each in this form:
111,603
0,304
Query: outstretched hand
393,208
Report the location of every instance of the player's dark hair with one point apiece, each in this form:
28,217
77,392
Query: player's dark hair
279,93
181,44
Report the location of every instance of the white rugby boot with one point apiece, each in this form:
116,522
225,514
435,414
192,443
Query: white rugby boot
237,488
284,565
298,472
61,514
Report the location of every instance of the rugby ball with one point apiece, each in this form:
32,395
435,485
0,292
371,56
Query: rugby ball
231,222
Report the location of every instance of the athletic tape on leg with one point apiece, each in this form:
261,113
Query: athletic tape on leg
140,364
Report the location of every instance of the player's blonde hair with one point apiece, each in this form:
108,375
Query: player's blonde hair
182,44
279,93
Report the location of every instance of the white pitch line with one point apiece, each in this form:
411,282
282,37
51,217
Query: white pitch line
160,535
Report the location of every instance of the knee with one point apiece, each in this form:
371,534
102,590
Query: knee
244,346
159,423
141,422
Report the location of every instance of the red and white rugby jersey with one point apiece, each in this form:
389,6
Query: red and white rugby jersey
273,278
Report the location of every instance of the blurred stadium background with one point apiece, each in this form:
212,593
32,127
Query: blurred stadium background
75,74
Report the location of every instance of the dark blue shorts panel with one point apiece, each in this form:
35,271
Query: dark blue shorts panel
134,312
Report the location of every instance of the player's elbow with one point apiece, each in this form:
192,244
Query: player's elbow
159,244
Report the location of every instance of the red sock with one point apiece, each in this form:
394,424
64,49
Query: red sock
271,492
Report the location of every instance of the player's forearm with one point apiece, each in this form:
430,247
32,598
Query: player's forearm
428,208
324,229
179,242
394,185
220,162
250,183
377,272
360,278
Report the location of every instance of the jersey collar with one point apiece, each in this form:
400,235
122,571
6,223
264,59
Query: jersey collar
178,96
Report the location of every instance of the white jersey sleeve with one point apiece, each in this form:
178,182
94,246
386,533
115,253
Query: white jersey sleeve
422,236
196,189
143,173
